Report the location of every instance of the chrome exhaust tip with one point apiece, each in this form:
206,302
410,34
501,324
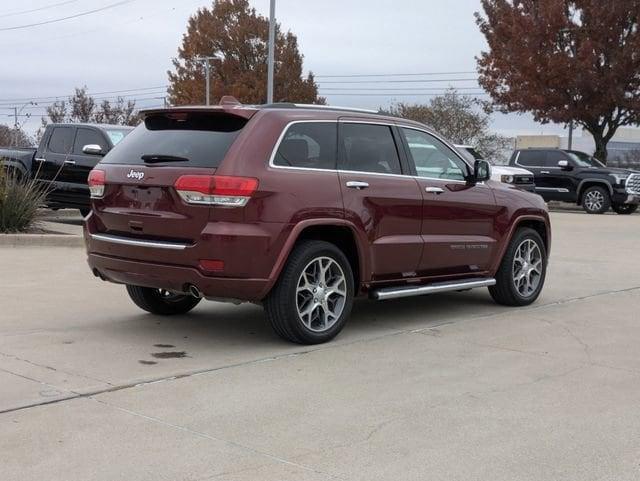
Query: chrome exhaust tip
194,291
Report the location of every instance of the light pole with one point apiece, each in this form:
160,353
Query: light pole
207,75
270,59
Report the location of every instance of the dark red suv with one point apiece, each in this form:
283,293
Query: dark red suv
303,208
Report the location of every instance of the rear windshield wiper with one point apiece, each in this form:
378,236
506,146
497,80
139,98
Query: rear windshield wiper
154,158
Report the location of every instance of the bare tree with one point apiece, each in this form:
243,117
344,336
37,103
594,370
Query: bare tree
459,118
14,137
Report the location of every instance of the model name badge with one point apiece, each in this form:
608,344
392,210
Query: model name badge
133,174
469,246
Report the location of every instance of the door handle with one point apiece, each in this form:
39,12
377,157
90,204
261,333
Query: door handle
40,159
356,184
70,162
434,190
545,172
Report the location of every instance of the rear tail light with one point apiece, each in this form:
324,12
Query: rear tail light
96,183
216,189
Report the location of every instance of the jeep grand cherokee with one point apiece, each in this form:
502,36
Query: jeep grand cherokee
303,208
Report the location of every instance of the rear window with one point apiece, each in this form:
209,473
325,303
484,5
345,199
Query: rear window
202,139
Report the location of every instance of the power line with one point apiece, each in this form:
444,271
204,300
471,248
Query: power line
55,97
393,88
412,94
394,74
45,105
398,81
55,20
46,7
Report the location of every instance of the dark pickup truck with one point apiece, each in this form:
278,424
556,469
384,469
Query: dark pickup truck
64,158
573,176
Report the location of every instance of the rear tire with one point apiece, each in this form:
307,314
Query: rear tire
522,272
624,209
312,300
596,200
161,302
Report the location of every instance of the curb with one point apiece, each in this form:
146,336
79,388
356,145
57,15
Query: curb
41,240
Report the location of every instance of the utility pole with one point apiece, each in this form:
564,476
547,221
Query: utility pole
570,135
207,75
270,60
14,141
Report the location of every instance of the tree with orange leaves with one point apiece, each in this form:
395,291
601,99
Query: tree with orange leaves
564,61
232,31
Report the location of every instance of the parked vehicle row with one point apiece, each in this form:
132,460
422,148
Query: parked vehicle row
302,209
516,176
576,177
63,159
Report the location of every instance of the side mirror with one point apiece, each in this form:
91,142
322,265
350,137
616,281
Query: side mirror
92,149
481,171
564,164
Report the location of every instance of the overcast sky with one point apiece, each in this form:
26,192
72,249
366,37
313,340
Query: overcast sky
130,46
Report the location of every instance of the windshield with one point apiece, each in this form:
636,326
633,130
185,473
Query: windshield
201,140
584,160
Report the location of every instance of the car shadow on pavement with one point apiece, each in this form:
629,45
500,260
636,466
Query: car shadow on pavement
246,324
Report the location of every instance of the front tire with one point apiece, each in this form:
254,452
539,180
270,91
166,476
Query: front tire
523,270
312,300
596,200
160,301
624,209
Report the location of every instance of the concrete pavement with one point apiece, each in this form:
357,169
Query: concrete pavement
449,387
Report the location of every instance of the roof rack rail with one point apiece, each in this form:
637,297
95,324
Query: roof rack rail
290,105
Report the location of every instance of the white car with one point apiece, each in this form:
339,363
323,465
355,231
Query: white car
520,178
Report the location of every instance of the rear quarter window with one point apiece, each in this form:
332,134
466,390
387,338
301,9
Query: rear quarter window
61,140
311,145
202,138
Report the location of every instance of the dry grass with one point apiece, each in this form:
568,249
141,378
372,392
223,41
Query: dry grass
20,199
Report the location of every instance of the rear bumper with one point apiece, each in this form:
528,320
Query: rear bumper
175,278
248,254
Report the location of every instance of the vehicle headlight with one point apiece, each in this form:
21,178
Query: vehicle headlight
507,179
620,178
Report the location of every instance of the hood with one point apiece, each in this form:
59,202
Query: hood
615,170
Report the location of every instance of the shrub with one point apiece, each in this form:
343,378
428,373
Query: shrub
20,199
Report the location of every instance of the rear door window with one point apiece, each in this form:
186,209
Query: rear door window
61,140
311,145
190,139
368,148
89,137
532,158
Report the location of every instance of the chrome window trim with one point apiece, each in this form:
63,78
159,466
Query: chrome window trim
342,171
138,242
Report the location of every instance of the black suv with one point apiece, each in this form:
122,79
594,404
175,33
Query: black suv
572,176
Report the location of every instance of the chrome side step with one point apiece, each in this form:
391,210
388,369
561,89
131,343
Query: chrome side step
407,291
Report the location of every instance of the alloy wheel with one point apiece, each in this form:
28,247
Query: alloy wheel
594,200
321,294
527,268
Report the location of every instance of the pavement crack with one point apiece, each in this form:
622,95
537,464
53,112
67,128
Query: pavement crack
210,437
51,368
